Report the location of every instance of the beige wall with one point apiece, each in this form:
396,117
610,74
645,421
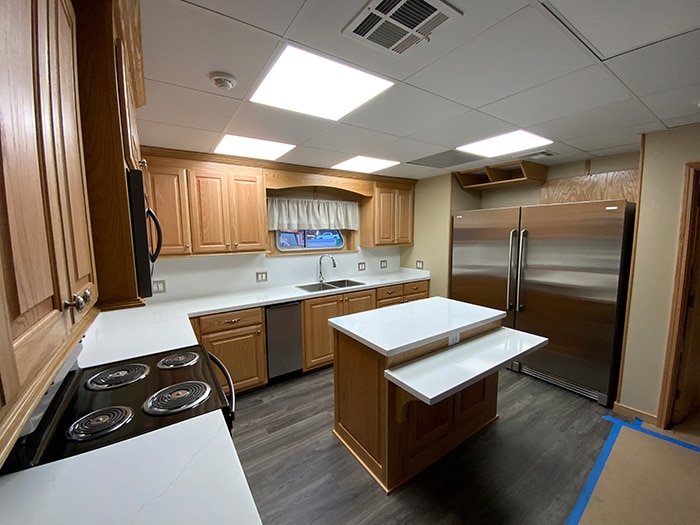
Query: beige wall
665,156
431,231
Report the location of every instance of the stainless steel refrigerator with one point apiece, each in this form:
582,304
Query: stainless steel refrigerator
560,271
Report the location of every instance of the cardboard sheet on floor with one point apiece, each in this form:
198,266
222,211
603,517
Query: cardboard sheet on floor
646,480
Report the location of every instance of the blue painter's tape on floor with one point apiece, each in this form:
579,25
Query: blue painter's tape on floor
637,425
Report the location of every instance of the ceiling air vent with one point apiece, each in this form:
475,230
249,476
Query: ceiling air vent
537,155
396,25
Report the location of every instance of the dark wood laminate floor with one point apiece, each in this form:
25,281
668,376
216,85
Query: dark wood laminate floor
526,468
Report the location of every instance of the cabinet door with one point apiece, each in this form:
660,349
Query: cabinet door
404,216
248,209
359,301
68,154
168,198
385,216
415,291
318,336
243,353
209,199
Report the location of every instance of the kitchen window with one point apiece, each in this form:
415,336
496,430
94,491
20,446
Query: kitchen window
299,240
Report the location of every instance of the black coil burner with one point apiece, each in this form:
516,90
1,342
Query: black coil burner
99,423
177,398
118,376
178,360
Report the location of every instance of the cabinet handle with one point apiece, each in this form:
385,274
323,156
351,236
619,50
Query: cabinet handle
143,164
78,303
415,287
232,321
87,296
390,292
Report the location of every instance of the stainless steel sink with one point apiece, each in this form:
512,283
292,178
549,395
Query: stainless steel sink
331,285
316,287
342,283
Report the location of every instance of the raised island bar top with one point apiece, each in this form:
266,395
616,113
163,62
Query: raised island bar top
414,380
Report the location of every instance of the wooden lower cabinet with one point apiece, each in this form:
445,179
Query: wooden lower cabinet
238,339
397,293
317,335
390,432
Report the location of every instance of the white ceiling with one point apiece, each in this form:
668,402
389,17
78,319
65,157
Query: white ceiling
592,75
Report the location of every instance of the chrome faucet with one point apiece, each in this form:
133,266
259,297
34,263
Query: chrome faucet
320,266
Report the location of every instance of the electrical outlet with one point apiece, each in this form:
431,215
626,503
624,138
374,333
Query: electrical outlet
453,339
361,266
260,277
382,263
159,286
419,265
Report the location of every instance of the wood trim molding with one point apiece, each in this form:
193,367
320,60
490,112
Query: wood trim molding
630,282
15,414
633,413
147,151
679,304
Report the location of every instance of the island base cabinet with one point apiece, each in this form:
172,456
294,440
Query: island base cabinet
393,434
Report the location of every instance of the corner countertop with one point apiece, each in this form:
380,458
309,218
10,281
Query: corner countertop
187,472
402,327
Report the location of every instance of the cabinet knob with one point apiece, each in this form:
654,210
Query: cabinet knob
235,244
87,296
78,303
259,332
232,321
187,246
228,245
143,164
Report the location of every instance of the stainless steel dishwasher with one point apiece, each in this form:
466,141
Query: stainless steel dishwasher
283,334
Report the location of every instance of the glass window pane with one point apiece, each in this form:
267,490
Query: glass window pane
297,240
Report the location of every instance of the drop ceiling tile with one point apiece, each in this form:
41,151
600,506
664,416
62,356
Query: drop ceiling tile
402,110
186,107
349,139
613,138
411,172
271,15
598,120
404,150
463,129
176,137
573,93
320,158
268,123
616,27
183,43
515,54
663,66
682,121
681,102
617,150
319,23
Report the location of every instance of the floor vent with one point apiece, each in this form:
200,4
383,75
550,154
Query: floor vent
395,26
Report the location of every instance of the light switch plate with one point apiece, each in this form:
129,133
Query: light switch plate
260,277
361,266
419,265
159,286
382,263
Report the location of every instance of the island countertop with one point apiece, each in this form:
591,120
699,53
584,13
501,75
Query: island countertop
402,327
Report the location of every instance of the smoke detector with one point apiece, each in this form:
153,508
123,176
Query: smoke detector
397,25
222,80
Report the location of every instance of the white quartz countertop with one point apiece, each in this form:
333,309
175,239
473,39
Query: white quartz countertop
183,473
444,373
395,329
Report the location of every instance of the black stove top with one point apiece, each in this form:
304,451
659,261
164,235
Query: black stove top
105,404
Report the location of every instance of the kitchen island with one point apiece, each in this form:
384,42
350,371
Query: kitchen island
415,380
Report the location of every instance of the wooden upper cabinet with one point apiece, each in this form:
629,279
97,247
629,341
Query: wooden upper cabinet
167,195
209,200
387,218
248,209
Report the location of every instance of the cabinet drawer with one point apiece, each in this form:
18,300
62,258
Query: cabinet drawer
228,320
419,287
389,292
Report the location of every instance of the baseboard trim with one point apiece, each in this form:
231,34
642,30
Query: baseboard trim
626,411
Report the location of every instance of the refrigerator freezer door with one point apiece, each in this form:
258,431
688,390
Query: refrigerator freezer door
483,242
571,274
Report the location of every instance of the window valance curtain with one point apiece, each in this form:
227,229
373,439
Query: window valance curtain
311,214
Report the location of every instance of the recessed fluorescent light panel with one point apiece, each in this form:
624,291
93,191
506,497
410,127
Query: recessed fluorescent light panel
364,164
502,144
309,84
254,148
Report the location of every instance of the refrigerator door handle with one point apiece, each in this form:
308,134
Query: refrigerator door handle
518,280
513,235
